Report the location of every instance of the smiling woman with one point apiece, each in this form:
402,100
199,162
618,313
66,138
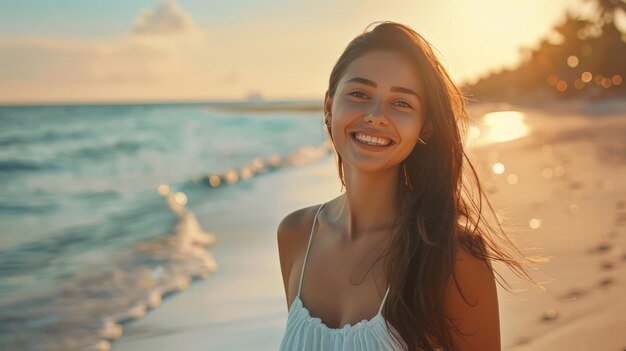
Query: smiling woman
396,121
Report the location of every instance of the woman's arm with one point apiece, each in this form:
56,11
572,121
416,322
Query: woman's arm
480,321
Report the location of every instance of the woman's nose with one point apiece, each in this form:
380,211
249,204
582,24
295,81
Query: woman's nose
377,114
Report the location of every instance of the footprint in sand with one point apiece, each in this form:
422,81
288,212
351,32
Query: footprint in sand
606,265
523,340
576,185
601,248
573,294
549,315
606,281
537,204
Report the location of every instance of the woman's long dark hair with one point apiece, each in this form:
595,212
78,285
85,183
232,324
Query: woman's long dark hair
439,214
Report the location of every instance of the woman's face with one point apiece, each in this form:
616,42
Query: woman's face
378,95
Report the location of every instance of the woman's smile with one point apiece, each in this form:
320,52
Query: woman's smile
373,144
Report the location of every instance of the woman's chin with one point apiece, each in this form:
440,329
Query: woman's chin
371,166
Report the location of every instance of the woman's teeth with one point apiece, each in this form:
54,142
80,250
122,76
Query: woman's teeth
372,140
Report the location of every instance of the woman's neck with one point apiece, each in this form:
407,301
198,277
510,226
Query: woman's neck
369,205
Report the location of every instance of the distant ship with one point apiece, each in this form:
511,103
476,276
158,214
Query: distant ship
254,96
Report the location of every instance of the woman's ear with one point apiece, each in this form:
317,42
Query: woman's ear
328,103
427,130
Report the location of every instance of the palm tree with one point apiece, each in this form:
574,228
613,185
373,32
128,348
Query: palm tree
582,49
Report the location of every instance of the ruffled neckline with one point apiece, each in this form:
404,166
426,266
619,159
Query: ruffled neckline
318,321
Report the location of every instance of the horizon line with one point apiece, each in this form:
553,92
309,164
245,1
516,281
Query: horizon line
153,102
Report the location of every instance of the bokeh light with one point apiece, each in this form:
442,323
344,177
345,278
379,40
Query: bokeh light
512,178
498,168
214,181
534,223
572,61
163,189
552,79
180,198
579,84
547,173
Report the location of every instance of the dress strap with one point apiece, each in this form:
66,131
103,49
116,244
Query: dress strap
308,248
380,309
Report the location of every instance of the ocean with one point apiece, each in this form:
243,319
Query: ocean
97,206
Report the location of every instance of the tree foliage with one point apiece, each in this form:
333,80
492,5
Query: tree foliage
588,61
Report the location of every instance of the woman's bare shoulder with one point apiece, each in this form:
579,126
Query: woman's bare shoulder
292,234
292,228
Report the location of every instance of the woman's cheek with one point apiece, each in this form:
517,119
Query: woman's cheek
409,130
352,108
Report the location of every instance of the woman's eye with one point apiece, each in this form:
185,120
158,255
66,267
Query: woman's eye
362,95
404,104
358,94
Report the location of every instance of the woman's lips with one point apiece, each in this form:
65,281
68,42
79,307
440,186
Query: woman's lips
369,147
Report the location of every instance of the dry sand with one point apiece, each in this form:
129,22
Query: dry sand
571,178
571,184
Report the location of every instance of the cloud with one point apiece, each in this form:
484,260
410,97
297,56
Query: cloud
167,17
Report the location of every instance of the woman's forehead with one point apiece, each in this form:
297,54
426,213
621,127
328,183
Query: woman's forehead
385,68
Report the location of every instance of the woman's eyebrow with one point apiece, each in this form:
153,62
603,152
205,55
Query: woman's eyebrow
374,85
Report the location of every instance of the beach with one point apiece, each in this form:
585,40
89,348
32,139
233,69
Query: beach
569,183
560,188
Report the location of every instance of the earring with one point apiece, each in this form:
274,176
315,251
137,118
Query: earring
421,141
406,177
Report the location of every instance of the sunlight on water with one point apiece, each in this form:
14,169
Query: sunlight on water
498,127
505,125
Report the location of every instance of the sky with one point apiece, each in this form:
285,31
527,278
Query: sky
67,51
